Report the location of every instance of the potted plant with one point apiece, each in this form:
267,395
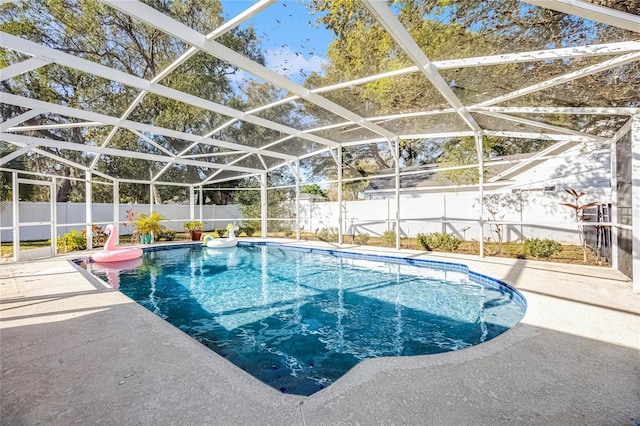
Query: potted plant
148,226
194,228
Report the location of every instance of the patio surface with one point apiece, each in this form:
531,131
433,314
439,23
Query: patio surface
73,350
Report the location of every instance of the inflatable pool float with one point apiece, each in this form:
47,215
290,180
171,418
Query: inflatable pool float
112,269
112,254
228,257
230,241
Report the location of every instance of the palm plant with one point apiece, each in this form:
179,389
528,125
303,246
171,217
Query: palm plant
149,224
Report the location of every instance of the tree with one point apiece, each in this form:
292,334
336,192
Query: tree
314,189
93,31
364,48
463,151
27,191
457,29
517,27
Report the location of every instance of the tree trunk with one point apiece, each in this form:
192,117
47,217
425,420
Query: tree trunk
378,159
64,192
157,199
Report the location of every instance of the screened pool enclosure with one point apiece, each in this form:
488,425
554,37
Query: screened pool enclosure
350,117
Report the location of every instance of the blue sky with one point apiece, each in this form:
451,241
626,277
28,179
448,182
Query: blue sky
293,45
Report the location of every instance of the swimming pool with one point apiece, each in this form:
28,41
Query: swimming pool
298,319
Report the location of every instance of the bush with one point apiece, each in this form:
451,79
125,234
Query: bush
167,235
542,248
388,239
438,240
288,232
361,239
249,228
329,235
220,232
71,241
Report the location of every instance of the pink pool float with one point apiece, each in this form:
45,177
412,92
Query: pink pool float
113,269
112,254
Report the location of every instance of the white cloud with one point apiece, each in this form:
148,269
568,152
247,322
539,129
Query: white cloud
293,64
239,77
285,62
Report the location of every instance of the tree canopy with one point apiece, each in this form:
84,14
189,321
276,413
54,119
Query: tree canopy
93,31
406,104
458,29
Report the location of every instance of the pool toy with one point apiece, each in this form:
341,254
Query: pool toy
230,241
112,254
112,269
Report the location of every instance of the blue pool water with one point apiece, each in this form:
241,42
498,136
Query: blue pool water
298,320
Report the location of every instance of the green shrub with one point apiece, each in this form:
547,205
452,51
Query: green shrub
361,239
167,235
71,241
388,239
249,228
220,232
329,235
288,232
438,240
426,241
542,248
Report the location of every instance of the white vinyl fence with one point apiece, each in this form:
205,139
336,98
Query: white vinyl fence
528,215
72,216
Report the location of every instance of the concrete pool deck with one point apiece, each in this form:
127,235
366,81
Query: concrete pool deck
73,350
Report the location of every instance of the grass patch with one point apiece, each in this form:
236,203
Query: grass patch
6,249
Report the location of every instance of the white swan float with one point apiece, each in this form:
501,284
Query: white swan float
110,253
230,241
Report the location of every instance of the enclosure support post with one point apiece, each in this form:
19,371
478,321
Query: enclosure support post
480,190
397,177
635,199
151,198
88,201
263,204
192,202
298,200
613,212
16,216
201,204
116,206
339,149
54,218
